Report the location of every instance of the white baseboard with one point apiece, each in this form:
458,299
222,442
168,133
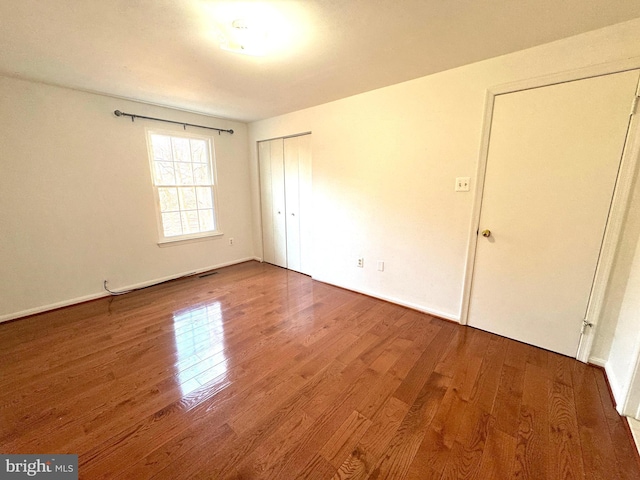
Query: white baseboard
397,301
597,361
51,306
94,296
616,389
634,425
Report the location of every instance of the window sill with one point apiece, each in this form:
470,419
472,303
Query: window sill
190,239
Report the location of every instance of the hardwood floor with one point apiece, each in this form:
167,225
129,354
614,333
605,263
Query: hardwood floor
258,372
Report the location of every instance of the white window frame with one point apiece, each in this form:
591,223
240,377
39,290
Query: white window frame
162,239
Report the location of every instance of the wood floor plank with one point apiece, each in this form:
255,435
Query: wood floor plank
259,372
163,459
312,400
441,434
499,451
330,420
468,450
406,442
421,371
532,448
466,343
486,388
506,406
317,469
345,438
618,431
258,451
408,359
275,445
363,459
174,418
560,367
565,459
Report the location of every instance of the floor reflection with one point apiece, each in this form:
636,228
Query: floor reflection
200,347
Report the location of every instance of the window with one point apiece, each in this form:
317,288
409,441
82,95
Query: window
184,182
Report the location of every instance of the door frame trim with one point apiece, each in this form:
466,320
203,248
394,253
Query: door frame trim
619,205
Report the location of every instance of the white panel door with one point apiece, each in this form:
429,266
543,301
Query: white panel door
266,202
279,204
272,199
306,202
297,166
292,196
553,159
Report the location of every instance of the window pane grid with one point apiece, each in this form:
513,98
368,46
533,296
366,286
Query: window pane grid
184,183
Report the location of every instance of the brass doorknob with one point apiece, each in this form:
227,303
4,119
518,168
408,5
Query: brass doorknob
486,233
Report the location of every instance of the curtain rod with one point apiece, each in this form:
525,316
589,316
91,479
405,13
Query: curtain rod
133,116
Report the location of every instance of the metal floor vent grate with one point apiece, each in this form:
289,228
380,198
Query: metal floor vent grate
207,274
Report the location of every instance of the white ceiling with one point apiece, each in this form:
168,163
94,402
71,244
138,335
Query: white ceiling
165,51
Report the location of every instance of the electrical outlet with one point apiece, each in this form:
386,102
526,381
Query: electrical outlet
462,184
231,241
380,266
361,262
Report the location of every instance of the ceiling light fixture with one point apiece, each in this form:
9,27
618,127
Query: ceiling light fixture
246,37
258,28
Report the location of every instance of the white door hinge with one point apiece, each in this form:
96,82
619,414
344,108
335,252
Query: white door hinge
585,324
634,105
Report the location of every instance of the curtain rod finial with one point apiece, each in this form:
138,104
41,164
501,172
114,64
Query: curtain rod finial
117,113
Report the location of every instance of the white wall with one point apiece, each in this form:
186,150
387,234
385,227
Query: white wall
384,165
76,204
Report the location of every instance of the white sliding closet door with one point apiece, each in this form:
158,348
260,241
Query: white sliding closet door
285,182
266,202
274,230
297,167
306,202
292,196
